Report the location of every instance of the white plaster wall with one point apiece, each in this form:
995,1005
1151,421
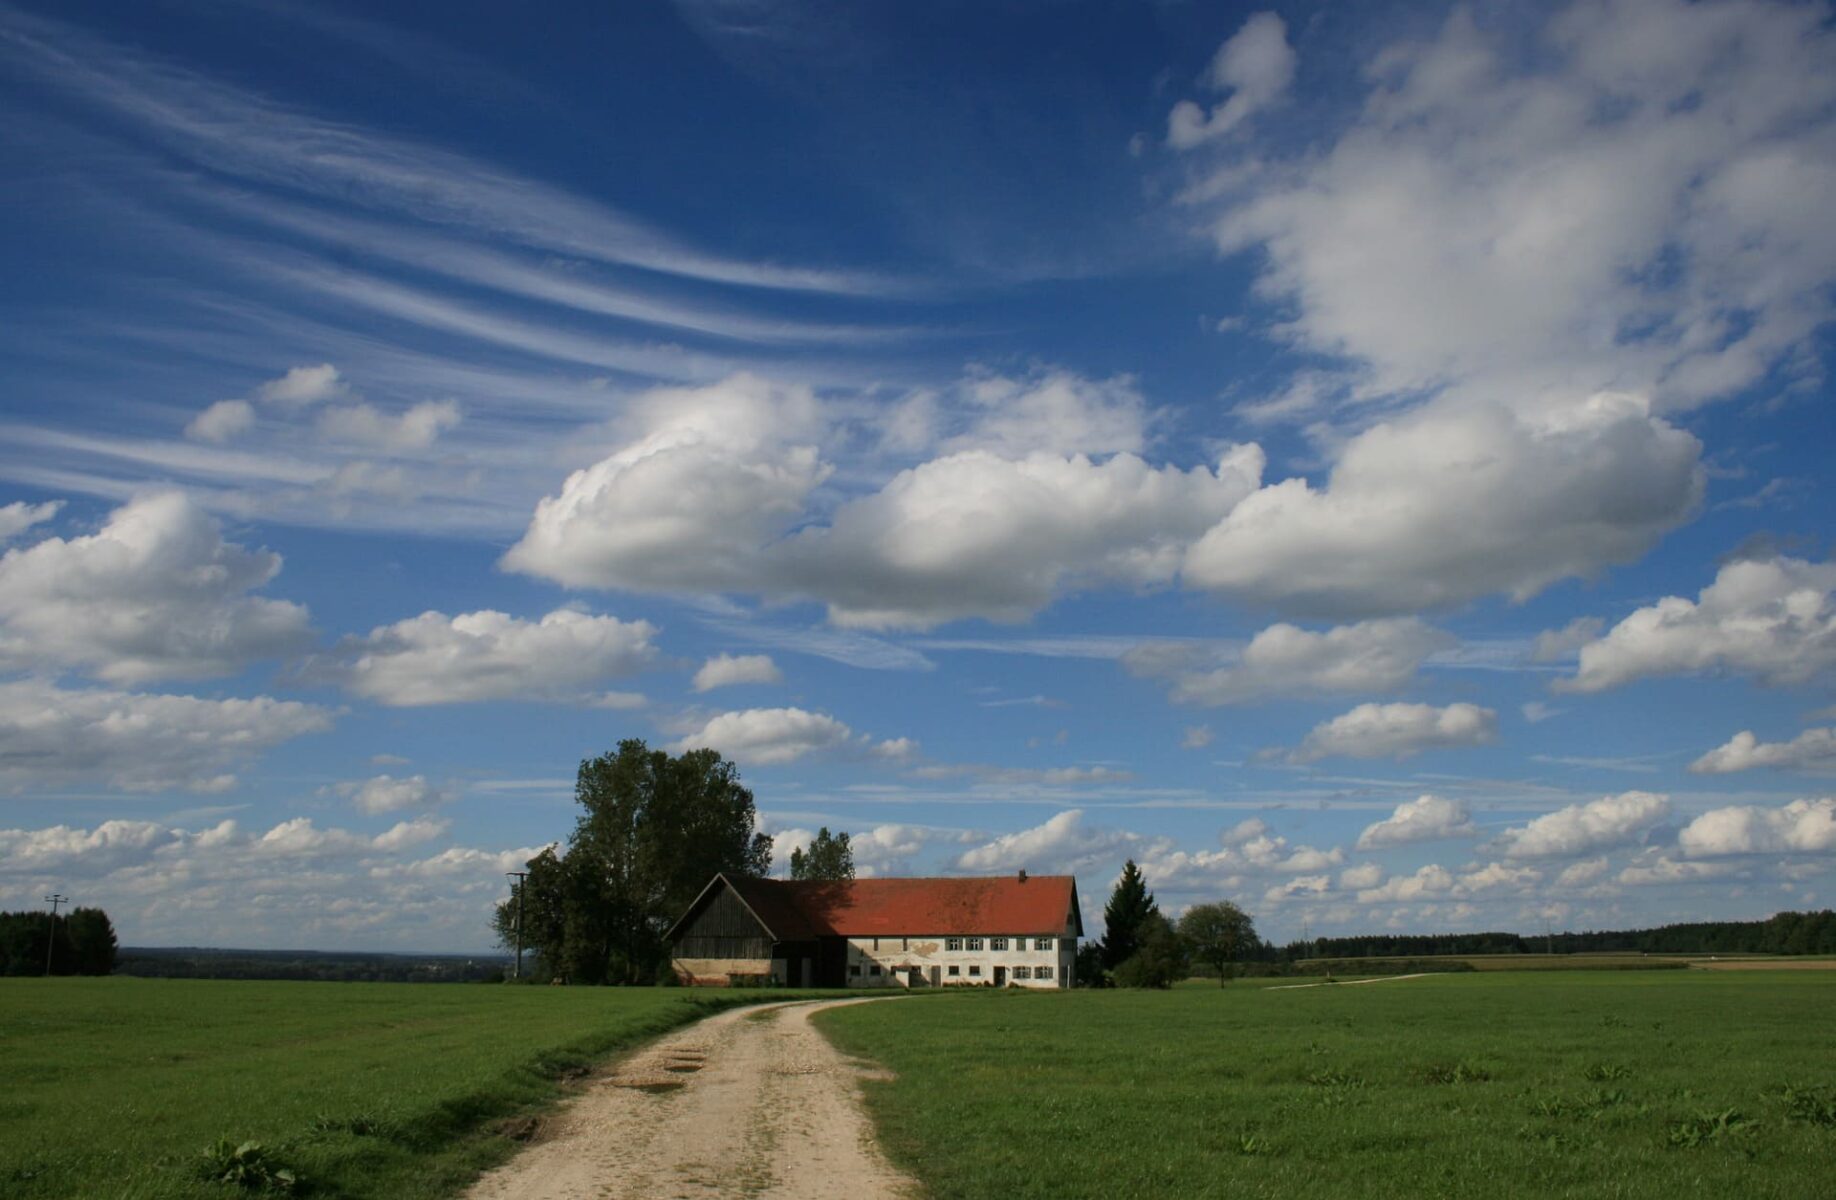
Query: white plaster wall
901,953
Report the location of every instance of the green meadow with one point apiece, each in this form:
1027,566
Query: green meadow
1543,1084
115,1087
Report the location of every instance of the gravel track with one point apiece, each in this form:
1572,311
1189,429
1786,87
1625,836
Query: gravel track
752,1102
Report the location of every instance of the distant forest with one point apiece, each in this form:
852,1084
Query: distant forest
190,962
1786,933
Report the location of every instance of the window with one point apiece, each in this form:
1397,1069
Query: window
1043,944
975,970
1019,943
953,944
854,969
1023,973
1042,972
874,969
998,944
954,970
974,943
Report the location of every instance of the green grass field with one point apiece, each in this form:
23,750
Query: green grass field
1546,1084
114,1087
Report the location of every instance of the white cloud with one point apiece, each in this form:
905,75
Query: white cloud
222,421
1536,712
1580,828
363,425
727,670
63,849
1050,412
1430,880
1424,819
1453,502
1774,619
976,535
1063,844
1663,871
1300,887
1196,737
487,655
1361,877
1497,877
1397,731
300,838
769,736
707,482
387,794
1472,225
1555,645
1284,660
17,517
1813,749
1582,874
53,737
1801,827
1015,776
156,593
303,387
704,479
1255,66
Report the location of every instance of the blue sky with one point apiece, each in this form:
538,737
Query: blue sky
1370,462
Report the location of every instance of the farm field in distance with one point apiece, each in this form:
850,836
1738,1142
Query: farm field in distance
1550,1083
116,1086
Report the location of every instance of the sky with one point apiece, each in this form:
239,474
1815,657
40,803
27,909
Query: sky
1369,462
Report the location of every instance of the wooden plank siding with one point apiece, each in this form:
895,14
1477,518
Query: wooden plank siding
724,928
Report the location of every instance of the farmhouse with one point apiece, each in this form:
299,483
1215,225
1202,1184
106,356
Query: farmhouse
1013,931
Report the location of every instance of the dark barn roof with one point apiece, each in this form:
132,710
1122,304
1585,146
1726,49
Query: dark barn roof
798,910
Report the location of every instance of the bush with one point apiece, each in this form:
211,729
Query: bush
249,1165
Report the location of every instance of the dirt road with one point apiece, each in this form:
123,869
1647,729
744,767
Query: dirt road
752,1102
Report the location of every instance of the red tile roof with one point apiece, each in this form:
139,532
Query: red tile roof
794,910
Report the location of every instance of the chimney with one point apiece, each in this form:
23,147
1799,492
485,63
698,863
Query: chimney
1022,874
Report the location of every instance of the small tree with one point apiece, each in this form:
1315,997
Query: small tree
92,941
828,858
1130,907
1217,934
1159,960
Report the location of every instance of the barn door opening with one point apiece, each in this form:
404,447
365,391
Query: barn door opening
1000,976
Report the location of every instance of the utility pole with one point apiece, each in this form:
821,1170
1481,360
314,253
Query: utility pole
51,942
519,876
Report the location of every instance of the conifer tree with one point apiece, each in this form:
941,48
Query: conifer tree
1130,907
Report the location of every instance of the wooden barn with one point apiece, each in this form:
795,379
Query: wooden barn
1012,931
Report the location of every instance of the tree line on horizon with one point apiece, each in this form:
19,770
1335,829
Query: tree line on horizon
1781,933
79,942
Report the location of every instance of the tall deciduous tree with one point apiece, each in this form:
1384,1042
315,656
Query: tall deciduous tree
828,858
1130,907
1218,934
654,829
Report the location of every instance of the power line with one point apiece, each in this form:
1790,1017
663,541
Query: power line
51,942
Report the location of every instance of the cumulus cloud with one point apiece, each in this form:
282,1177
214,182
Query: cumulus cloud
1773,619
1424,819
17,517
973,534
1255,66
300,838
1582,874
706,485
303,387
1285,660
156,593
1470,226
1360,877
387,794
1578,829
221,422
1662,871
727,670
1801,827
770,736
1814,749
414,429
57,849
51,736
1397,731
488,655
1453,502
1063,844
1430,880
1049,412
703,480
